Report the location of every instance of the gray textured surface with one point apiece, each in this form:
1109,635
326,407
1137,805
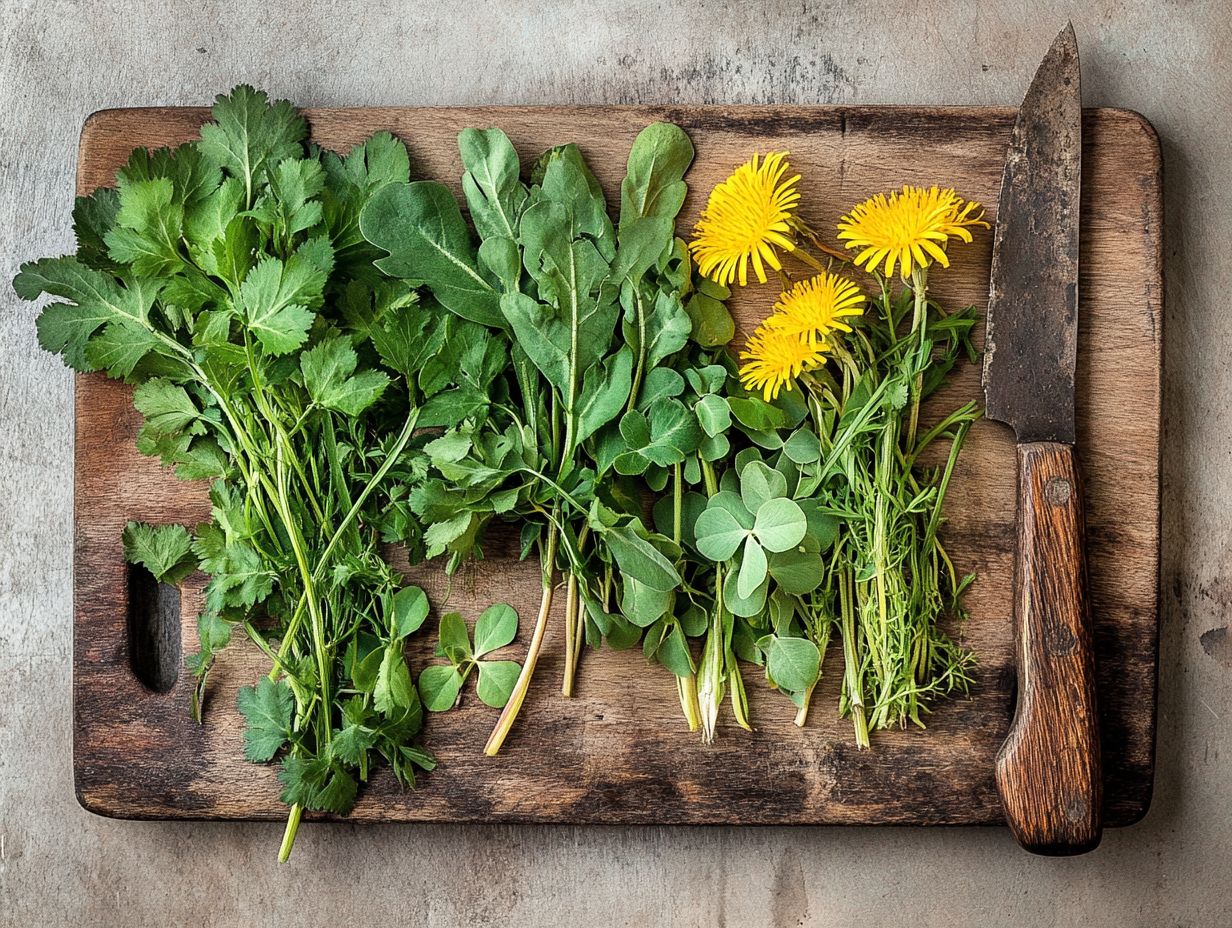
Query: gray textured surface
61,866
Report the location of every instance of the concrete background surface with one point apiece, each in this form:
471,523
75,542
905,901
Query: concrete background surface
59,865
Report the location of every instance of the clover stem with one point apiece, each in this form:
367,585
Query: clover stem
510,713
803,711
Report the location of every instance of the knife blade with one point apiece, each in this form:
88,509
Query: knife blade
1048,771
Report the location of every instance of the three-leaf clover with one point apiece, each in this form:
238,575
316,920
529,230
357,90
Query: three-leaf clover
440,684
758,521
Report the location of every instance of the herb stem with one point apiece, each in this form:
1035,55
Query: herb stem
288,835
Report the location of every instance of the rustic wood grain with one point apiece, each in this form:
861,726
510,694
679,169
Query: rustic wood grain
618,751
1048,771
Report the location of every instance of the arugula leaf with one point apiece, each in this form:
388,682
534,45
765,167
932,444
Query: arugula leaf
422,228
494,192
640,559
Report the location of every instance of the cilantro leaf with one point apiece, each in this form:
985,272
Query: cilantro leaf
317,784
167,408
164,550
276,297
96,298
148,228
329,377
249,134
267,708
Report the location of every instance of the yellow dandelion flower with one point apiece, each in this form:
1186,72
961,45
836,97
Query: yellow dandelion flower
908,229
746,218
774,358
814,308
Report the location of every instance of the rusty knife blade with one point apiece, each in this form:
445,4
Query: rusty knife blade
1032,333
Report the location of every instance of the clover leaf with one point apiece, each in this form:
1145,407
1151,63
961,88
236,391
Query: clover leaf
440,685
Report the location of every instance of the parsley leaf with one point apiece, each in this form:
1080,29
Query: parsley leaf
267,708
164,550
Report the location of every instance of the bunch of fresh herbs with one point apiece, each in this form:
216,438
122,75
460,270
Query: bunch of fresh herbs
227,280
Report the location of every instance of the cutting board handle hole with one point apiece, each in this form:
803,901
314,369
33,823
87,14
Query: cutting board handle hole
154,650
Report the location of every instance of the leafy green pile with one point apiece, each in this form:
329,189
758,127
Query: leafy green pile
593,315
353,364
825,524
229,282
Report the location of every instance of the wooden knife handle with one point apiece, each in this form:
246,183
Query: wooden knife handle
1048,771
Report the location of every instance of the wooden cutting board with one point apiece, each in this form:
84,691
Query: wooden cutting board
619,751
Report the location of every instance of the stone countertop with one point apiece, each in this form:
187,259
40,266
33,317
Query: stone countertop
59,865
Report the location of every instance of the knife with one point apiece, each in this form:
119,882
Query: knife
1048,770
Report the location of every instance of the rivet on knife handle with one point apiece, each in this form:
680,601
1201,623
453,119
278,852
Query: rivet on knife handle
1048,772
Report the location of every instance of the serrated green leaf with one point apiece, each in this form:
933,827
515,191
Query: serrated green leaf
95,299
352,743
317,785
164,550
249,135
276,299
328,376
267,709
167,407
148,228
